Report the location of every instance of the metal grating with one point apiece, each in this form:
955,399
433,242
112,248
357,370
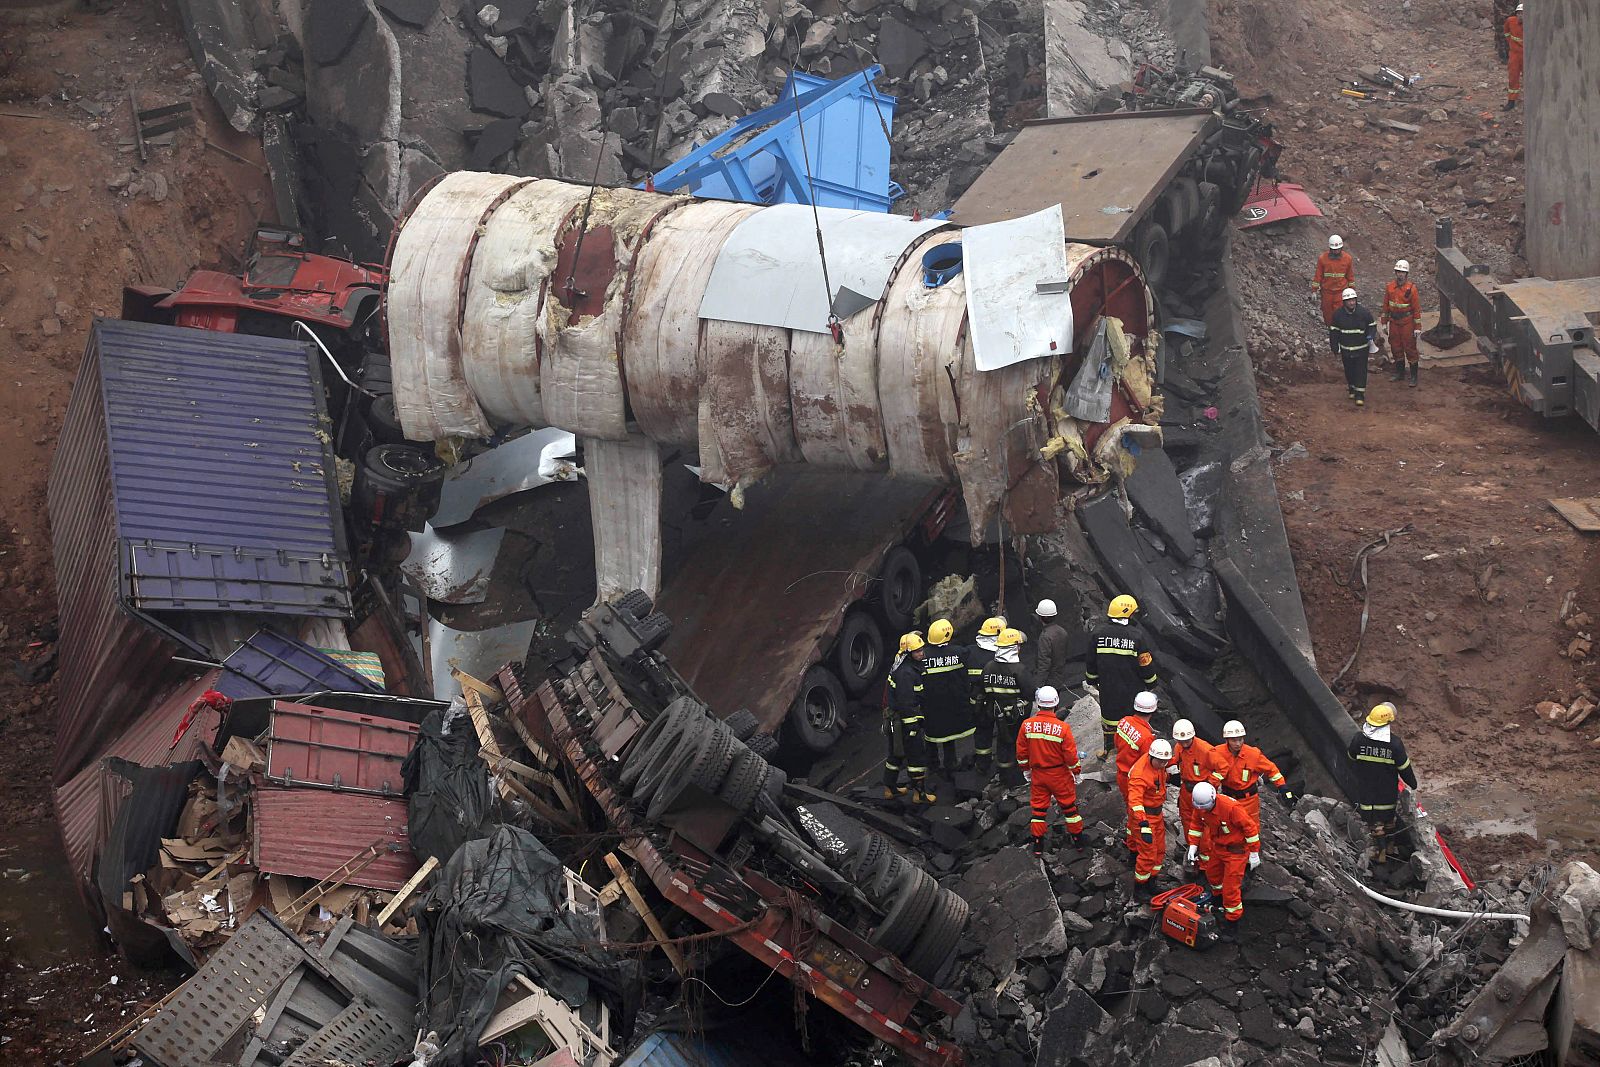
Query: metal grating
357,1035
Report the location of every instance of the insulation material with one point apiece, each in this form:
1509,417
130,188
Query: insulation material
1003,264
662,344
769,272
919,344
747,401
834,392
625,509
506,289
432,254
580,375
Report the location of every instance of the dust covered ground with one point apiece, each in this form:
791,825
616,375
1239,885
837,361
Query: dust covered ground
1466,628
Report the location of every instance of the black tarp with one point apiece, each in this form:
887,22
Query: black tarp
446,784
498,909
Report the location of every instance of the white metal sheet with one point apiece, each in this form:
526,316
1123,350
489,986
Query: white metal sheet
536,458
1003,262
769,273
453,568
476,652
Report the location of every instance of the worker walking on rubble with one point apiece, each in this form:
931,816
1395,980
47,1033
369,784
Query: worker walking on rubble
1352,335
978,657
1336,272
1132,740
1048,755
1513,33
1402,308
1192,755
1007,686
1147,794
1230,843
903,724
1050,660
1379,765
1120,663
1237,770
946,697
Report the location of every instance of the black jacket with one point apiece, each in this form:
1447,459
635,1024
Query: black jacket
1121,663
1050,662
1378,768
1351,332
1007,687
946,692
906,690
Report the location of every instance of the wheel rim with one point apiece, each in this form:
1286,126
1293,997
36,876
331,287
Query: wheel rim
902,592
863,656
821,709
407,462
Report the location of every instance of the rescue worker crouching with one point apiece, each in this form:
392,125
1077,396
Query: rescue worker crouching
978,657
1380,764
1192,755
903,724
1230,843
1147,794
1237,770
1120,663
946,697
1048,755
1007,686
1351,336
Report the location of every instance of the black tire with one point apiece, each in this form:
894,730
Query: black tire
639,750
384,421
743,784
698,767
743,724
937,940
865,856
899,588
817,715
917,895
675,718
1210,220
652,630
888,873
763,745
858,653
673,747
718,772
1153,251
400,469
636,603
774,782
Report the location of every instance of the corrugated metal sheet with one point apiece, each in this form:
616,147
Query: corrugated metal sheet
310,833
86,806
270,664
221,471
339,749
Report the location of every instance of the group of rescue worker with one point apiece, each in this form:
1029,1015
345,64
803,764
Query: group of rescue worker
941,694
1352,329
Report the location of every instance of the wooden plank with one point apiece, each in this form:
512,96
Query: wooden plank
651,923
403,894
1396,124
488,692
610,894
1582,512
233,857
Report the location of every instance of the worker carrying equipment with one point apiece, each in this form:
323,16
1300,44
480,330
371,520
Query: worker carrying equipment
1513,31
1147,793
1351,333
1336,271
1237,770
1230,841
1120,663
946,697
906,749
1132,740
1379,764
1007,687
1048,754
978,657
1050,661
1193,757
1402,309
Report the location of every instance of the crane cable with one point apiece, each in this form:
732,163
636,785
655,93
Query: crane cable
834,326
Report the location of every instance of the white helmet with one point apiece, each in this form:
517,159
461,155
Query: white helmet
1183,730
1204,796
1145,703
1233,728
1348,294
1046,697
1401,264
1160,748
1519,7
1046,609
1335,242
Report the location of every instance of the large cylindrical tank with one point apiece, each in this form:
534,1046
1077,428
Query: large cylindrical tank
1562,91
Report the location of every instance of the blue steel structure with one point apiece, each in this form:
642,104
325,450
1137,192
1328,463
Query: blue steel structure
760,159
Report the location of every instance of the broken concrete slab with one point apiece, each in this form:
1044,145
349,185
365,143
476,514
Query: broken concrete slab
224,39
899,47
1080,63
494,141
1015,914
1076,1029
1155,492
331,28
491,88
415,13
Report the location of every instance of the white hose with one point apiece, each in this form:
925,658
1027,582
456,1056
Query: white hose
1443,913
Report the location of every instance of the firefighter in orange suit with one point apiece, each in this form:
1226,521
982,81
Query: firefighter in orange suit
1132,740
1513,29
1147,793
1336,272
1193,758
1402,308
1237,770
1230,842
1048,755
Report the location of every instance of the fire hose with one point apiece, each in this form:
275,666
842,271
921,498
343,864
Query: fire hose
1443,913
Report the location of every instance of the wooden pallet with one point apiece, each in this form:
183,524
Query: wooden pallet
1582,512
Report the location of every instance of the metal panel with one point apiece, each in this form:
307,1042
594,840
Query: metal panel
340,749
1005,263
311,832
476,652
358,1035
537,458
453,568
270,664
221,471
1104,170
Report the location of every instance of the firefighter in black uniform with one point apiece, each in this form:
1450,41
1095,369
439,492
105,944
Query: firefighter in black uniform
946,697
903,721
1351,335
979,654
1379,764
1121,665
1008,689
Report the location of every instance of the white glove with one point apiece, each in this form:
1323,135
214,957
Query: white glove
1174,769
1255,860
1076,777
1194,851
1027,776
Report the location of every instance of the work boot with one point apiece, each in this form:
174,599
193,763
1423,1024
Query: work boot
1227,932
1510,104
894,792
1399,371
1038,847
1077,841
1413,375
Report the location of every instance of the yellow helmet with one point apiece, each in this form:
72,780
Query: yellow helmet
940,632
993,625
911,642
1381,714
1009,637
1122,607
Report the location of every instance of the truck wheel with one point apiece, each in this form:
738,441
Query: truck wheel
917,894
384,422
899,588
858,652
399,469
763,745
744,782
818,709
938,937
636,603
742,723
1152,251
1209,220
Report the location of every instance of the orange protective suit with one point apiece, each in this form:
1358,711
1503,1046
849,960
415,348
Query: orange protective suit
1240,776
1229,832
1194,764
1047,750
1514,58
1134,734
1147,792
1335,272
1402,307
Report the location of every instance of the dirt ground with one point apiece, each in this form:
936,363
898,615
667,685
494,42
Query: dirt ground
80,215
1465,630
